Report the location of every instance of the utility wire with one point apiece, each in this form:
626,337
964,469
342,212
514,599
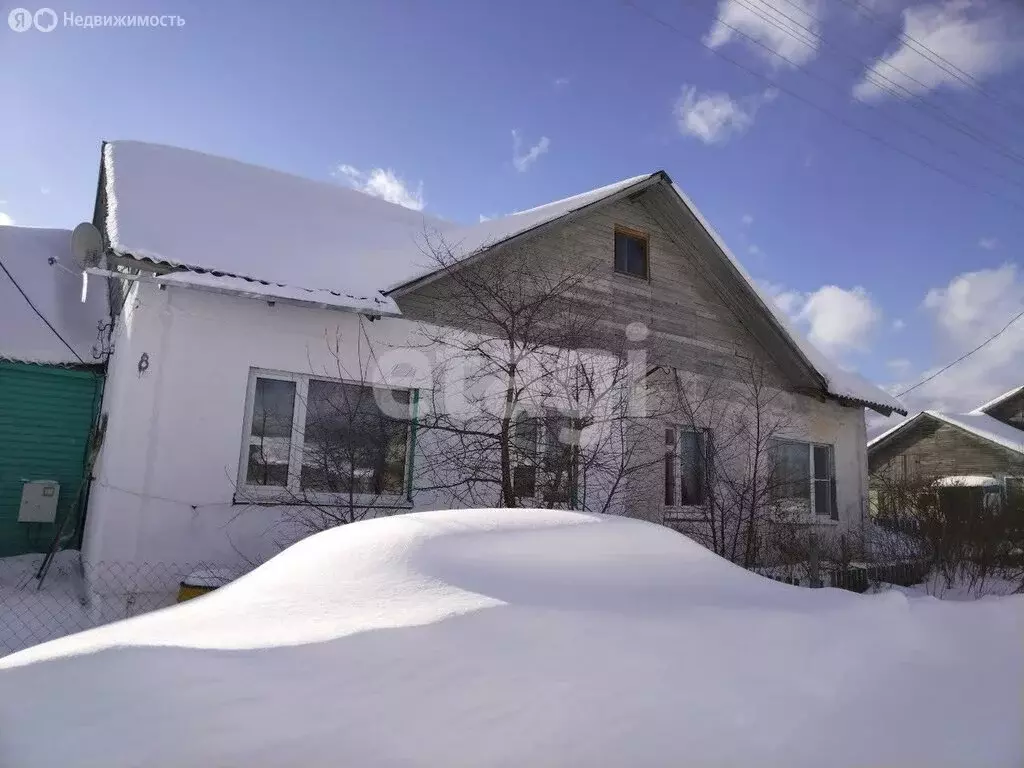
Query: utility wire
40,314
872,75
929,55
827,112
963,357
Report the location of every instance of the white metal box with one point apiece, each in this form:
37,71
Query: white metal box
39,502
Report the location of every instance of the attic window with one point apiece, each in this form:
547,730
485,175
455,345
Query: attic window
631,252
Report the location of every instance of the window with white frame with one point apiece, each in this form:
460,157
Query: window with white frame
311,435
803,478
686,466
544,465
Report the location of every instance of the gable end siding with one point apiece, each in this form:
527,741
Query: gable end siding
940,450
693,327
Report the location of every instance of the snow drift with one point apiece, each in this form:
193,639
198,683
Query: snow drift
525,637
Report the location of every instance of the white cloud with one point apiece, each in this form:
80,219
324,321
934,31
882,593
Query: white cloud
981,40
716,117
44,190
747,219
5,219
898,324
836,320
523,160
775,34
899,366
754,250
560,82
971,308
383,183
841,320
988,243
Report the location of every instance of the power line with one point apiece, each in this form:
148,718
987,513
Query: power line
927,54
963,357
871,74
40,314
828,113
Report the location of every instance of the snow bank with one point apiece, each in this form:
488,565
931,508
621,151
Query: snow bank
528,637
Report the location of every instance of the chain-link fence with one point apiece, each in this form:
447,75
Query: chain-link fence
74,596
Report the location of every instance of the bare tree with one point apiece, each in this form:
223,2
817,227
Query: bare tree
745,485
958,534
533,390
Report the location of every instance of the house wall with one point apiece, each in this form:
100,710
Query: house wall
176,393
935,449
168,470
167,476
694,325
799,418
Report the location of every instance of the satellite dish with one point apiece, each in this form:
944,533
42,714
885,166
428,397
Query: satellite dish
86,246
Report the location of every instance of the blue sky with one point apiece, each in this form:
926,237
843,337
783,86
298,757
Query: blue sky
420,101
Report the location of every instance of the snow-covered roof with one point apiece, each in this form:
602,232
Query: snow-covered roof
306,240
55,289
522,637
979,424
998,400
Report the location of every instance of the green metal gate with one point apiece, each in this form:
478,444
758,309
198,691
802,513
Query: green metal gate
46,416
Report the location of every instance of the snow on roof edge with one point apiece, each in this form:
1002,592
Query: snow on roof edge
998,399
997,432
840,383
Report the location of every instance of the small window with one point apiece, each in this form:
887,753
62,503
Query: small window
686,452
631,253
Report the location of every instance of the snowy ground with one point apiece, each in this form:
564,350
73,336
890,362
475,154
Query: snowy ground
523,637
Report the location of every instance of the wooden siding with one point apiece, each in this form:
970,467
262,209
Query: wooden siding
935,449
694,318
1010,411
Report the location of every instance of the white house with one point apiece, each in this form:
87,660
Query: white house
243,291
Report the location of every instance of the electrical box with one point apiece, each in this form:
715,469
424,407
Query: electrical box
39,502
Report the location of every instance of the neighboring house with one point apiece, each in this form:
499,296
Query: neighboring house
50,388
234,280
981,449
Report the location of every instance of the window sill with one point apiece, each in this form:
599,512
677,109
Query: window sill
272,497
687,514
805,520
